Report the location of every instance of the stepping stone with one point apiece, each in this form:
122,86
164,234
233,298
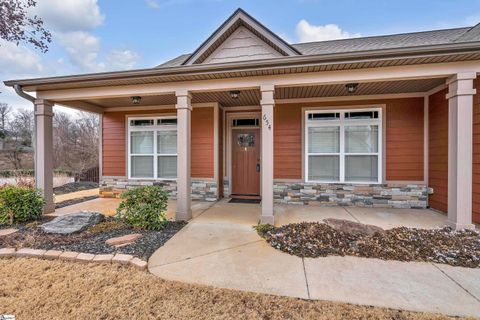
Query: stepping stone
71,223
351,227
6,232
123,240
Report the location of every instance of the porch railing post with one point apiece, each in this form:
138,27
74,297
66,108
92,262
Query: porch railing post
44,152
267,103
184,110
460,138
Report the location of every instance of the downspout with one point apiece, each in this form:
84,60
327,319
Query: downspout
24,95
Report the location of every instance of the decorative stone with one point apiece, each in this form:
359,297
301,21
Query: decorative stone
7,252
30,253
6,232
52,254
122,258
123,240
103,258
138,263
85,257
352,227
68,255
71,223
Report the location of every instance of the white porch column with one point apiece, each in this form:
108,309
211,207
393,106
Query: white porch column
44,152
460,130
184,110
267,104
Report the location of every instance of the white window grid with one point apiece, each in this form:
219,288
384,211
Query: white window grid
341,123
155,128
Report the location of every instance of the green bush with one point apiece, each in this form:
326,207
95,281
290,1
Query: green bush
144,207
20,204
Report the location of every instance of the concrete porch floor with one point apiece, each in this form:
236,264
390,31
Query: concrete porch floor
220,248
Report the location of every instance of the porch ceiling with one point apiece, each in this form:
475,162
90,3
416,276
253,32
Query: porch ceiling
251,97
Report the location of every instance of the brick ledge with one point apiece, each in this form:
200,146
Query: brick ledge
118,258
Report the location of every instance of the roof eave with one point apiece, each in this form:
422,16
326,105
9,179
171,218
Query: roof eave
451,48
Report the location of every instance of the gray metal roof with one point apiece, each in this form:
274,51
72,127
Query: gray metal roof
414,39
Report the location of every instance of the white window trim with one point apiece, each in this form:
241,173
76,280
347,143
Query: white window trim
153,128
342,154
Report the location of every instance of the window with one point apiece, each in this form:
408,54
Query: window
152,148
343,146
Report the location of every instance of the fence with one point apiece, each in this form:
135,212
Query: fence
90,175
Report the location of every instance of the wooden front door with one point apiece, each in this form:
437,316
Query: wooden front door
246,162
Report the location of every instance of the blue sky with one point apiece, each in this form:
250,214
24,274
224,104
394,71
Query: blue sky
103,35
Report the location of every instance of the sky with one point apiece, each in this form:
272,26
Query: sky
104,35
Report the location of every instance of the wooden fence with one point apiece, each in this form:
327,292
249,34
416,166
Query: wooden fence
90,175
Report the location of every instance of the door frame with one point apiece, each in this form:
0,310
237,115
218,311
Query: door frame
230,116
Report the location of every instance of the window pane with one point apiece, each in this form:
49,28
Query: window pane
167,167
324,116
167,122
142,166
361,168
141,142
323,168
141,123
324,140
361,139
362,115
167,142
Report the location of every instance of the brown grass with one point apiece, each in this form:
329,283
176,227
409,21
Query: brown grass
39,289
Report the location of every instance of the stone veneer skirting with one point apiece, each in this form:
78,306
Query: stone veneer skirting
381,196
113,187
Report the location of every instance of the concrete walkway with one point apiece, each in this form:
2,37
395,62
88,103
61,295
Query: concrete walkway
220,248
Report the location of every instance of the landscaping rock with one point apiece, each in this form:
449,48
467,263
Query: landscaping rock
6,232
352,227
123,240
75,222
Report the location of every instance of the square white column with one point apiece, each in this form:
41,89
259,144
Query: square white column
44,152
460,139
267,103
184,112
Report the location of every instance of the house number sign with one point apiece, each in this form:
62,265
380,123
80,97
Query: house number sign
267,122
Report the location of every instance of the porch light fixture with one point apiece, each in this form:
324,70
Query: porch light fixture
136,99
351,87
234,94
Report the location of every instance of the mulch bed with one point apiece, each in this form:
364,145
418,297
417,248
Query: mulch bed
313,239
70,202
74,186
93,240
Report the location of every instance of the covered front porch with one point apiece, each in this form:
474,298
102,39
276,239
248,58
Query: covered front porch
413,162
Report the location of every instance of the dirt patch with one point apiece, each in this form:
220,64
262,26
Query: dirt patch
74,186
74,201
313,239
59,290
93,240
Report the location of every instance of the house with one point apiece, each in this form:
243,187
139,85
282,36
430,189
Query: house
384,121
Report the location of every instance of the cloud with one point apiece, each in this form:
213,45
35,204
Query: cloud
307,32
69,15
18,59
122,60
152,4
82,49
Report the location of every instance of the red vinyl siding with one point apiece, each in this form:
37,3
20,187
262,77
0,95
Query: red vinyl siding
438,151
476,153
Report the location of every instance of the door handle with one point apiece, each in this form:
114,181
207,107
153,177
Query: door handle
258,167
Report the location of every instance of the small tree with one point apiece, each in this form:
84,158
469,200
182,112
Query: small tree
16,25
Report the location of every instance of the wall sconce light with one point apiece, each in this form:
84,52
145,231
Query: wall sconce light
136,99
351,87
234,94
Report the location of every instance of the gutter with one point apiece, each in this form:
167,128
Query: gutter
23,94
346,57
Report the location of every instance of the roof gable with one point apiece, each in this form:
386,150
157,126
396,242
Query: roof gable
241,32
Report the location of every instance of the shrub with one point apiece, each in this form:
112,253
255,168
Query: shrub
262,229
20,204
144,207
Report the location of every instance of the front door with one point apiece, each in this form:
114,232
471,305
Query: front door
246,162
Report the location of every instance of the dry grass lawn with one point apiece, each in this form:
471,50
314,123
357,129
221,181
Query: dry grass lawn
40,289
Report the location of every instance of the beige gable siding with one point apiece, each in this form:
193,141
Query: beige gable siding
240,46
